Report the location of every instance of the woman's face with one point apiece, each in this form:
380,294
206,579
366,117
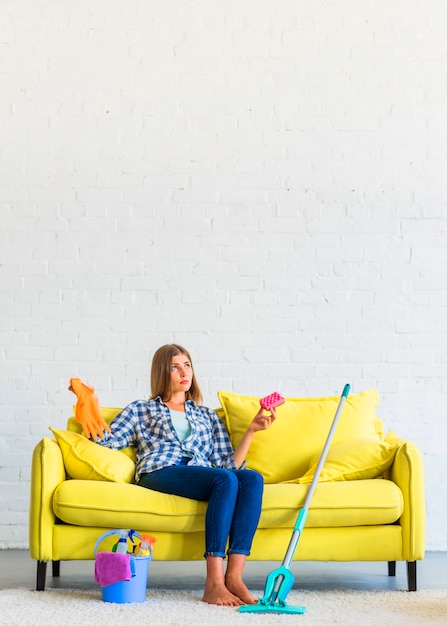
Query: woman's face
181,373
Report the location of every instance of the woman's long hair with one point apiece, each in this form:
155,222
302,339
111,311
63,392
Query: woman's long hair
161,374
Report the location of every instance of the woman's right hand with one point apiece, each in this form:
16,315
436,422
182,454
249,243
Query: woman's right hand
262,420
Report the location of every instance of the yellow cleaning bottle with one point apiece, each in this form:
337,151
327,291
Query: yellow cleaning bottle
146,545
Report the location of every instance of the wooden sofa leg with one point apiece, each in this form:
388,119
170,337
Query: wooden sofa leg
391,568
411,576
41,575
56,569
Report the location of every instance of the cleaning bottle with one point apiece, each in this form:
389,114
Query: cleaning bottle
121,545
145,547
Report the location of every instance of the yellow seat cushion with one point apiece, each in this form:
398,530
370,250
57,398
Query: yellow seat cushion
117,505
86,460
358,459
284,451
336,504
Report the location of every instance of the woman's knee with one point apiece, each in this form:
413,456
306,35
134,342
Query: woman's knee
251,479
226,478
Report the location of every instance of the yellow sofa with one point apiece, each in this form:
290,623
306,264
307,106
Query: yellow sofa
368,506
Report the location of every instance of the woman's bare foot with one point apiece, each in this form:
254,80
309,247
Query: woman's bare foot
216,591
237,587
220,595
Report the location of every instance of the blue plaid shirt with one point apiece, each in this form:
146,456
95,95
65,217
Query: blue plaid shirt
146,425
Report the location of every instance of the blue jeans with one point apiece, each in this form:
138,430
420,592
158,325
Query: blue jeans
234,502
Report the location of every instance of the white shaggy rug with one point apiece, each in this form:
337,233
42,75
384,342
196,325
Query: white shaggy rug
184,608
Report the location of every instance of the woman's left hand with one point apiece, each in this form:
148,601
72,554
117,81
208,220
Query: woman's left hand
263,420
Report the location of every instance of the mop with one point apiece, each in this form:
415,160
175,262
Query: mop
280,581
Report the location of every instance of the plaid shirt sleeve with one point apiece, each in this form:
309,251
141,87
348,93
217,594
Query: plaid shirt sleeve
123,428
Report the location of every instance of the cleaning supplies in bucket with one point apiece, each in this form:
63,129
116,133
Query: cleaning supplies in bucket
133,590
121,575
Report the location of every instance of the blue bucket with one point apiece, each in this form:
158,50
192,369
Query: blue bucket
133,590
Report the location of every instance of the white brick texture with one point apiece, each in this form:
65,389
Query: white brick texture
261,181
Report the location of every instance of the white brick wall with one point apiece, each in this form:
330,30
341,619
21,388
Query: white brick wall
263,182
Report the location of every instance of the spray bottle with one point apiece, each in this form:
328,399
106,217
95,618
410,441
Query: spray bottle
146,545
121,545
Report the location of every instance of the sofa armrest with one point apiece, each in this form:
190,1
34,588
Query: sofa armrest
47,472
407,472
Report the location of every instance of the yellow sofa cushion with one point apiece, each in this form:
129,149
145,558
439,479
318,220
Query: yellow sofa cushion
117,505
284,451
358,459
86,460
335,504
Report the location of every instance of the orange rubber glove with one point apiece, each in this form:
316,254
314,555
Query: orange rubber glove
88,410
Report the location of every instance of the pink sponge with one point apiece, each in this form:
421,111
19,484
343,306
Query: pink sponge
271,401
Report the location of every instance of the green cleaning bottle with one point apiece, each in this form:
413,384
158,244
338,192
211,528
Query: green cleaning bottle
121,544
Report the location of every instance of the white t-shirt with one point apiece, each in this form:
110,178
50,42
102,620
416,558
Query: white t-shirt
181,424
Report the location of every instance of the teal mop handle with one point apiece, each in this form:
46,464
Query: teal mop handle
302,516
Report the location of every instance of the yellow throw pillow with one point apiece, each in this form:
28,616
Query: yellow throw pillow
352,460
87,460
284,451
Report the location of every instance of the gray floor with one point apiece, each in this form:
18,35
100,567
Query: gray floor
17,570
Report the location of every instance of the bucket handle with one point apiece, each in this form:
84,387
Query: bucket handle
113,532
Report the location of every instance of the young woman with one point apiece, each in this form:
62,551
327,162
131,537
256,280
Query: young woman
183,449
